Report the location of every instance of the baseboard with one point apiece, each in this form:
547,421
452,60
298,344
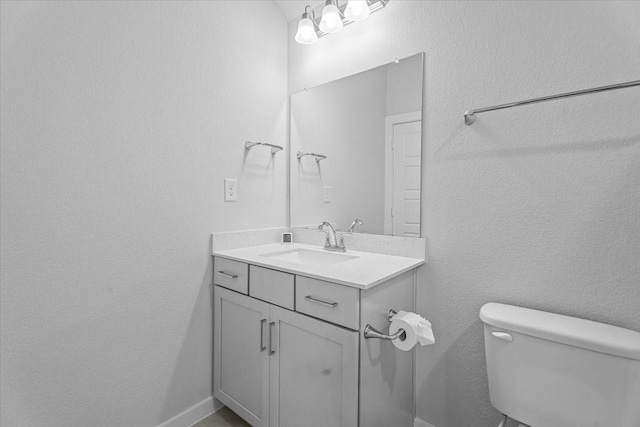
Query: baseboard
417,422
194,414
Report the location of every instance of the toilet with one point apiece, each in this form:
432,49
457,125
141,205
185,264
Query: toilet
550,370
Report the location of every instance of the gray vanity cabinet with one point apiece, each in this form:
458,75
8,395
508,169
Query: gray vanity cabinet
289,350
241,372
275,367
313,372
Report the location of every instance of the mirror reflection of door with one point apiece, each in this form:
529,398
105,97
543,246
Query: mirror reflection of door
402,174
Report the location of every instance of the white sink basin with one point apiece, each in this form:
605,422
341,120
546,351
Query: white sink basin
309,257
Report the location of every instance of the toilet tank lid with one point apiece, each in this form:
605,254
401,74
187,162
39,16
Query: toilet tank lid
568,330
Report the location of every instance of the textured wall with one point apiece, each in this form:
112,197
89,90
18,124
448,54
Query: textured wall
119,122
535,206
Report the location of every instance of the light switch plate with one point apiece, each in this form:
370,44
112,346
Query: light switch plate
230,190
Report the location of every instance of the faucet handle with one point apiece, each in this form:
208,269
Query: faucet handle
354,224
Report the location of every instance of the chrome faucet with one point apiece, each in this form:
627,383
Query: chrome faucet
354,224
331,244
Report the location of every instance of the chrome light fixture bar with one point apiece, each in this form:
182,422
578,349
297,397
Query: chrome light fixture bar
334,17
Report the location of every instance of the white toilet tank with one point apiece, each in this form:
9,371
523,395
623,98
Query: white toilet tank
549,370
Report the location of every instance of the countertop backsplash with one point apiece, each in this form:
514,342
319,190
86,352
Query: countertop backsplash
410,247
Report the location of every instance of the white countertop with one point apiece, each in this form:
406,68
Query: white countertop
364,272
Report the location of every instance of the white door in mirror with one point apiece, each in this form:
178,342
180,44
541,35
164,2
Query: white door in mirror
407,151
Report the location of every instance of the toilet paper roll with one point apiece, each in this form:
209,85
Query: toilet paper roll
410,338
416,328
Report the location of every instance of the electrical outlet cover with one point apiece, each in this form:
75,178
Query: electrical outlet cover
230,190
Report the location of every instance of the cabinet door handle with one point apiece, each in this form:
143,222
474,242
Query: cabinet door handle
321,302
272,327
262,346
229,275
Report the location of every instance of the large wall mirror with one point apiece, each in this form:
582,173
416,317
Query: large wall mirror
356,151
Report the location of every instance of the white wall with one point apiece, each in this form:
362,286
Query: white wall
402,80
345,122
119,122
535,206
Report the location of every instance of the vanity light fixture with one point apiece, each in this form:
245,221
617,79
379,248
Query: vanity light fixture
334,17
331,21
306,33
357,10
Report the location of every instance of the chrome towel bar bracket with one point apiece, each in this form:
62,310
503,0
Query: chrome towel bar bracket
248,145
318,157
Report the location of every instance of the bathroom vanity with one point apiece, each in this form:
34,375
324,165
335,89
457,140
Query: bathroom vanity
289,319
289,349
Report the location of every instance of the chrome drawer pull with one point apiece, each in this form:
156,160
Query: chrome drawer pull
262,346
229,275
272,326
321,302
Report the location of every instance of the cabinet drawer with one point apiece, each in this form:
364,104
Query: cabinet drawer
328,301
231,274
272,286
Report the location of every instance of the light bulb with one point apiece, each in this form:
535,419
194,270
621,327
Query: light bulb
306,32
357,10
331,21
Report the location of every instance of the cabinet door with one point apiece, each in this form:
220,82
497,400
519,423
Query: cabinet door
313,372
241,361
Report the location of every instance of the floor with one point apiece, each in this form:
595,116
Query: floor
222,418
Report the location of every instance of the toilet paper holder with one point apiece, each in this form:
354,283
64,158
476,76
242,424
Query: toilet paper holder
371,332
